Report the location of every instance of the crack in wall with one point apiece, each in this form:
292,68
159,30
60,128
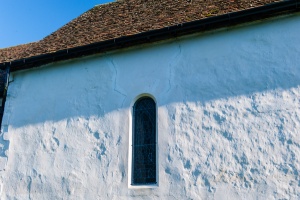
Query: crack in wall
172,63
115,80
29,186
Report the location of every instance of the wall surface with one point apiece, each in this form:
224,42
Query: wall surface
228,119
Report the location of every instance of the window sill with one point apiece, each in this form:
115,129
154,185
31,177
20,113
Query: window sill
150,186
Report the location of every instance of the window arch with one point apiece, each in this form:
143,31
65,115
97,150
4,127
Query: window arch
144,142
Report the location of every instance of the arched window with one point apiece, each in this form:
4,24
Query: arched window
144,142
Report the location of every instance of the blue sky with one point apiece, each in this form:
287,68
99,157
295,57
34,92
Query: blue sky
24,21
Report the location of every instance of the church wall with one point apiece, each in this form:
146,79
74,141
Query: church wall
228,119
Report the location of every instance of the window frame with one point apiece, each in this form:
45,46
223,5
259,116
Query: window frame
131,137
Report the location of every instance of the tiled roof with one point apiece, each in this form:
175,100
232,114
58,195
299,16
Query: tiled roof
17,52
124,18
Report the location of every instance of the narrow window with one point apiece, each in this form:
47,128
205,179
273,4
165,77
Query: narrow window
144,142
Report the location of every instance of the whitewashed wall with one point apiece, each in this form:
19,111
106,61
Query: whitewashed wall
228,119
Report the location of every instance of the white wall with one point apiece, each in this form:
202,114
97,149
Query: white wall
228,119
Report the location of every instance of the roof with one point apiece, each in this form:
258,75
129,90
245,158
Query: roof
133,18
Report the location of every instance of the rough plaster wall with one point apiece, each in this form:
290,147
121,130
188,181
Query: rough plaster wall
228,120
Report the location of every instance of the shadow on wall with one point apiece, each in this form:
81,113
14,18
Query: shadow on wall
241,61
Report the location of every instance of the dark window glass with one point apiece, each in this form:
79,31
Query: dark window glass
144,142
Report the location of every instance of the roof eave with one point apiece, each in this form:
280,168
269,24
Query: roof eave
226,20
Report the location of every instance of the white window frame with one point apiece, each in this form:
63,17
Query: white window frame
130,170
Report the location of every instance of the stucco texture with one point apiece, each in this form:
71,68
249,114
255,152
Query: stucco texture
228,119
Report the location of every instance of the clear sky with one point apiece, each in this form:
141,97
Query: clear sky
24,21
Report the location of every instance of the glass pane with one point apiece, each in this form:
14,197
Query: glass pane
144,142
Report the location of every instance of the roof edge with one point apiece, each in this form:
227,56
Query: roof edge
225,20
